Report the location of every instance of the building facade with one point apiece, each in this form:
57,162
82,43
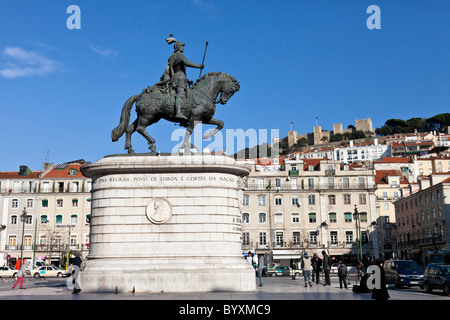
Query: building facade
309,205
57,206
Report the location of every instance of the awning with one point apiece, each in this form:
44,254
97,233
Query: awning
287,254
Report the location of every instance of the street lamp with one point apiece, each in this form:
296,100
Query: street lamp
23,218
356,215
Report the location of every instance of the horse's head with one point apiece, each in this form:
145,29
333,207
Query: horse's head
215,83
230,86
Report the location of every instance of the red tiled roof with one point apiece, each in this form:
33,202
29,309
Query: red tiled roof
63,171
393,160
382,175
15,175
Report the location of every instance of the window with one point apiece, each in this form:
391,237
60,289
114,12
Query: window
261,200
348,217
44,203
245,238
294,184
245,202
14,203
385,206
362,199
74,203
278,217
348,237
279,238
296,237
295,202
347,199
312,217
277,183
13,219
295,217
311,199
75,186
30,203
260,183
332,216
44,218
262,217
333,238
45,186
59,203
313,237
363,216
245,218
73,219
331,183
73,172
311,183
278,201
345,182
263,238
331,199
59,219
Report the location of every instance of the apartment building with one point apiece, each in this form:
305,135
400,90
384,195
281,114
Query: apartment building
310,205
57,206
423,218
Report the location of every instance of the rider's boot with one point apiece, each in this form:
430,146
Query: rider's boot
178,113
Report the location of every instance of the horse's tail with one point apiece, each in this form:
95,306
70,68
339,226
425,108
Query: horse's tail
124,119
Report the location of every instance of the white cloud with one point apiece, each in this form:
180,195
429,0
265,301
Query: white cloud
22,63
203,5
108,53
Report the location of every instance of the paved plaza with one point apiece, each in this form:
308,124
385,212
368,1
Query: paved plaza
278,288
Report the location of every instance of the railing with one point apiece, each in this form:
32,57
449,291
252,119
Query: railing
289,186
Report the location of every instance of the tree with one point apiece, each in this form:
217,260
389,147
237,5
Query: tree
439,122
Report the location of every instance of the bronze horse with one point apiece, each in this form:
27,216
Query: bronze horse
156,105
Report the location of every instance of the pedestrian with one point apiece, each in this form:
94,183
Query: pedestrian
260,268
342,274
249,258
380,294
317,267
21,275
76,262
326,267
360,271
306,267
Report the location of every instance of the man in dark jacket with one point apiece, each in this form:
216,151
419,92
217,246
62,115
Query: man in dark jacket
326,267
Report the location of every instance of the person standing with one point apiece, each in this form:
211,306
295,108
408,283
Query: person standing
249,258
381,294
317,267
326,267
342,274
260,268
21,275
306,267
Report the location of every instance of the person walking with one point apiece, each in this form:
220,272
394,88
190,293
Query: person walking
380,294
326,267
306,267
342,274
260,268
76,262
21,275
317,267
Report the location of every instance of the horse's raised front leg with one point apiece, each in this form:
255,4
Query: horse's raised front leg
219,127
129,131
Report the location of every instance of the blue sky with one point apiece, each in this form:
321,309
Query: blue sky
62,91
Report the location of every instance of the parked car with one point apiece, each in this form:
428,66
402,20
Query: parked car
437,276
48,271
278,270
403,273
8,272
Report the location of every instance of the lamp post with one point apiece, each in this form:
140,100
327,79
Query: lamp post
356,215
23,218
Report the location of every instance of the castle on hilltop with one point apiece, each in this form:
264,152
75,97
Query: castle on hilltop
318,136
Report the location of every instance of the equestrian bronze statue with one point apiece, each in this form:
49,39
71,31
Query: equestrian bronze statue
175,99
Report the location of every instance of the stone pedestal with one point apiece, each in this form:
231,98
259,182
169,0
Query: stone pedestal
166,223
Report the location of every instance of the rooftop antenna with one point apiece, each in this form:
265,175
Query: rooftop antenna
46,159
